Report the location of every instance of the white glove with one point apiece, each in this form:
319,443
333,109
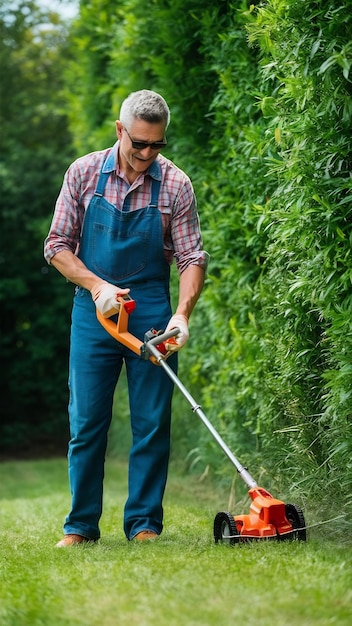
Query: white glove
105,298
177,321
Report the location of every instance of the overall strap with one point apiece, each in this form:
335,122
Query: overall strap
156,182
106,169
155,192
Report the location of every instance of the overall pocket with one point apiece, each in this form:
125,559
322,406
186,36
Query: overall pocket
119,254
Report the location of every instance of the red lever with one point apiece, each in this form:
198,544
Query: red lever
128,303
162,346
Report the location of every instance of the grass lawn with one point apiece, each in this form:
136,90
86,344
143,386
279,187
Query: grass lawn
181,579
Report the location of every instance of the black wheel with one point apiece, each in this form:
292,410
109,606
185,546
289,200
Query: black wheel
295,516
225,529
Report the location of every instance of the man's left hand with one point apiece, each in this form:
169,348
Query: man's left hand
177,321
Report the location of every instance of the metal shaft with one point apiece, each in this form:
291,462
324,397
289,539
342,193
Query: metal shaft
151,347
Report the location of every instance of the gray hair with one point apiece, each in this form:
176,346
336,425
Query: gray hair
145,105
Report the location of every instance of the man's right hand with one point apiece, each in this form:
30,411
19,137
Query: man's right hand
105,297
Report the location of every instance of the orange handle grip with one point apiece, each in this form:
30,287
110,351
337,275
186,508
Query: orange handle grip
119,329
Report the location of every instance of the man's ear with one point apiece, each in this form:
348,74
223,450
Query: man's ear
119,128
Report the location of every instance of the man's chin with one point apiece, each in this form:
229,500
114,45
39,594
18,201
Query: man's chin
142,163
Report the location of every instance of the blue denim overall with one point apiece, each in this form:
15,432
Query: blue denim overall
126,249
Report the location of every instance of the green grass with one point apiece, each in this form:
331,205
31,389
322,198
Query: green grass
181,579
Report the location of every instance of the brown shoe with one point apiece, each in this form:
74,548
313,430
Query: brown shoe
71,540
146,535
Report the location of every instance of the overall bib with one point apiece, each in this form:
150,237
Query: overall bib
126,249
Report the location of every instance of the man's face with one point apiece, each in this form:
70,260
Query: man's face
133,161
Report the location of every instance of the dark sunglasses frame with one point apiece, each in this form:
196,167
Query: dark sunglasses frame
141,145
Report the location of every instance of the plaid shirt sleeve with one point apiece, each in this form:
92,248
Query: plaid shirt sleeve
177,204
184,238
66,226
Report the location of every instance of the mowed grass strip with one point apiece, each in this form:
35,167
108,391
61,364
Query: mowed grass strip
181,579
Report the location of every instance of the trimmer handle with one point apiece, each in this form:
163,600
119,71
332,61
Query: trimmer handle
164,336
119,330
155,342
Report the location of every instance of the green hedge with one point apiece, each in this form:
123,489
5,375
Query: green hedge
284,283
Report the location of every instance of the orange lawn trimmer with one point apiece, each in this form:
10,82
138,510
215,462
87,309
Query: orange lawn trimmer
268,517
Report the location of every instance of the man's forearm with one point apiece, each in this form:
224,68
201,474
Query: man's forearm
74,270
191,285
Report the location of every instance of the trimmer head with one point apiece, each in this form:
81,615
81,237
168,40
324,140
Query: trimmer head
268,518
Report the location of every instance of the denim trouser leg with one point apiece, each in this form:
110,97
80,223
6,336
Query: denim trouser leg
150,406
95,364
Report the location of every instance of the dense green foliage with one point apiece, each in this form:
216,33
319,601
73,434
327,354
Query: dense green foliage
260,96
161,45
35,148
289,305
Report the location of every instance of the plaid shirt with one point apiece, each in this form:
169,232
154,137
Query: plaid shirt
177,205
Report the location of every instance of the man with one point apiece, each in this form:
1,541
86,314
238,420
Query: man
122,216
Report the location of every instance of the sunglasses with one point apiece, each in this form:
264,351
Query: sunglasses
141,145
